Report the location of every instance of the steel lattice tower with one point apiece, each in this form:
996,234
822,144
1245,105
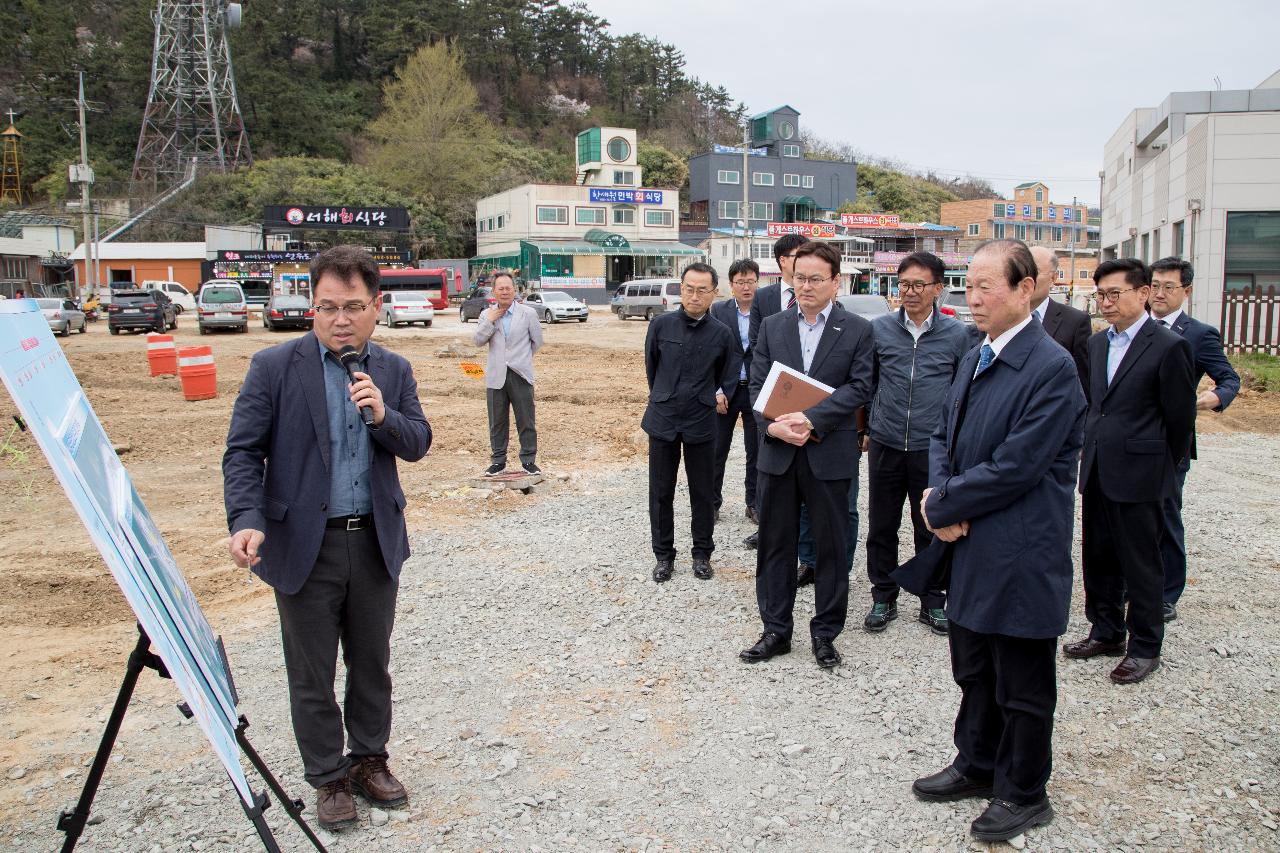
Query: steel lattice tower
192,111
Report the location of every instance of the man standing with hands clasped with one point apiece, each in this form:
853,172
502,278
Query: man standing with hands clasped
315,509
1001,504
513,334
691,362
809,457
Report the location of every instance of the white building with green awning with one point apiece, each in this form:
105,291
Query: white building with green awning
587,237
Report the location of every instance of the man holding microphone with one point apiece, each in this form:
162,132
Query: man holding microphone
315,509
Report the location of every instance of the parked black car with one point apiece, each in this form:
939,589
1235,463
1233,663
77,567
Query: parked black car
149,310
288,311
477,300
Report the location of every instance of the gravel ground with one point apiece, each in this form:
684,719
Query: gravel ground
550,697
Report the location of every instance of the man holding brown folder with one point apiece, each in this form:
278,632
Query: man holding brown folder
809,453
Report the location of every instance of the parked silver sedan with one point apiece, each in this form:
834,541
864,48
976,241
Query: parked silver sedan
556,305
62,315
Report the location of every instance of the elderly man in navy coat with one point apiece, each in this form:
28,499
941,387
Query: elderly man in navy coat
315,509
1001,504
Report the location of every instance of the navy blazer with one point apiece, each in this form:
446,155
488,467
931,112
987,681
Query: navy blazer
767,302
1208,357
1004,459
1139,426
726,311
276,467
844,359
1071,328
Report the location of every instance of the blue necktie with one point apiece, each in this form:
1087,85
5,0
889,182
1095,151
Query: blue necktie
985,356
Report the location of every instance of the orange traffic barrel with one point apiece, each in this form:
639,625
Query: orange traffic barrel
162,355
198,374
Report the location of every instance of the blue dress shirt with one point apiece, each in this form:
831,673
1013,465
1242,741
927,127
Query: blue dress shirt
349,444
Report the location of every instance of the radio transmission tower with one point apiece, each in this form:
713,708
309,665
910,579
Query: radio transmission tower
192,113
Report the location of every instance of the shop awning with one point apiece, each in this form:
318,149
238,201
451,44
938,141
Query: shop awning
800,201
608,239
640,248
659,247
567,247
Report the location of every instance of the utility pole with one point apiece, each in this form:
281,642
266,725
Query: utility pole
84,175
1071,289
746,175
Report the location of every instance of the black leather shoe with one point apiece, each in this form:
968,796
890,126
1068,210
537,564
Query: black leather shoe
752,540
1131,670
752,515
702,569
769,645
662,570
717,518
936,619
879,617
949,784
1170,611
824,652
1003,820
804,576
1091,648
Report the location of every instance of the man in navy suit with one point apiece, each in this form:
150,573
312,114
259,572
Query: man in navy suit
809,457
1171,280
1001,492
735,313
315,509
1142,409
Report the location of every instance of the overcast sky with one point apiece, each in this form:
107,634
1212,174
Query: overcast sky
1006,92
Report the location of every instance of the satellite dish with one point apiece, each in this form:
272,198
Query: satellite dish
234,15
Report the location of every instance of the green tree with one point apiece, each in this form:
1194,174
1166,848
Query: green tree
661,168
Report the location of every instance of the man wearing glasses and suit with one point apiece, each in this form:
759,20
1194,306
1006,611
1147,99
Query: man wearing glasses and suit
810,457
315,509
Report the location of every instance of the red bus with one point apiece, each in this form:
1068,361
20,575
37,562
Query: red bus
435,283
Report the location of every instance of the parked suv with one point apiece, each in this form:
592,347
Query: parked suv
221,305
953,302
149,310
649,297
477,300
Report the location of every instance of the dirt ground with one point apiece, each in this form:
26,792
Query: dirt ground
64,627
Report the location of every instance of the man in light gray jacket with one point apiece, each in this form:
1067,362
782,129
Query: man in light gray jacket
917,349
513,334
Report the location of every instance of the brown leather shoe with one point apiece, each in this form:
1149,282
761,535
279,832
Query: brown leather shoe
1091,648
373,781
1132,670
335,808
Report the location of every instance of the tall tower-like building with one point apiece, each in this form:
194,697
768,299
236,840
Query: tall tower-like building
192,111
11,170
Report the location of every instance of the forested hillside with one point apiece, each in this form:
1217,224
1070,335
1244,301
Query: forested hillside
427,103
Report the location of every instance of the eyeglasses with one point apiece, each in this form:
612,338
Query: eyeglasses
802,280
1113,295
351,309
745,281
914,286
789,255
698,291
1166,288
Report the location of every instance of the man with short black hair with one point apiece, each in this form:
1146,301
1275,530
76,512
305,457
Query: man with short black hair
917,349
808,458
1171,280
735,313
688,358
1138,431
315,509
513,334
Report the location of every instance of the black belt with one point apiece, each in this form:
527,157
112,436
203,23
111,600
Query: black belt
743,381
350,522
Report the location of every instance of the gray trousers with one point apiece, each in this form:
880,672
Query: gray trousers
349,599
516,393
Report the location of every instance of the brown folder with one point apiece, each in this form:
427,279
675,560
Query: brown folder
788,390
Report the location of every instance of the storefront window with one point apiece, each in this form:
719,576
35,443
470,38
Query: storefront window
1253,250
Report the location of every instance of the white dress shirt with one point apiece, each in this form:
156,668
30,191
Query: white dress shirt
744,329
1000,342
1118,345
1169,319
917,331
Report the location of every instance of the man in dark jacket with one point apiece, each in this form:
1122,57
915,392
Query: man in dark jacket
735,313
1001,492
315,509
917,349
1070,327
1171,280
690,359
1142,413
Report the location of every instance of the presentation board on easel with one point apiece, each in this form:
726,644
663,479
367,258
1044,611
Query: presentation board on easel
58,416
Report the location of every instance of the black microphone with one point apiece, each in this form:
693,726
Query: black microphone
348,357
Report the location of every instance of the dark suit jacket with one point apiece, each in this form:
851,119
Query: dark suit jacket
767,302
1004,459
726,311
276,467
685,366
844,360
1139,427
1071,328
1208,356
